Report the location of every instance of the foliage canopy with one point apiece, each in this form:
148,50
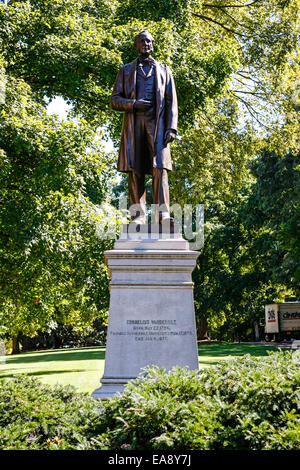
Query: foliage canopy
235,65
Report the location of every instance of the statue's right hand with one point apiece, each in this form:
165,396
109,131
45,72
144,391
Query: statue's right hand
142,105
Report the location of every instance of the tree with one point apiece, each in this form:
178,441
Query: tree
52,266
234,65
228,58
250,257
276,200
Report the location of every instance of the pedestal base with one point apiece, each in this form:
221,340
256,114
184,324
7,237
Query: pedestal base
110,386
152,319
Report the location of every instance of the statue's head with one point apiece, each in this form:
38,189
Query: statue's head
144,42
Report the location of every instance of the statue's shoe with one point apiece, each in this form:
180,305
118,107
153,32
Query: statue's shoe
140,220
166,219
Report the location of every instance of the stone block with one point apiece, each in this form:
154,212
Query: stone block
151,318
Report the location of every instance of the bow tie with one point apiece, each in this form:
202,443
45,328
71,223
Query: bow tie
146,61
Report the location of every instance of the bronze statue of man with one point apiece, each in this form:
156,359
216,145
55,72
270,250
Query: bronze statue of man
145,92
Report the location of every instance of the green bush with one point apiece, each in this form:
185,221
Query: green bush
37,416
247,403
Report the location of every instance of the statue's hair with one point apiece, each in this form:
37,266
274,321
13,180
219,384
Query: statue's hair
139,34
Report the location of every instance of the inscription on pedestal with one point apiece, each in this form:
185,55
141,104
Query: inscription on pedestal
151,330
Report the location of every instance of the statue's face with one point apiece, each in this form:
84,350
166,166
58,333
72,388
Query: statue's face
144,44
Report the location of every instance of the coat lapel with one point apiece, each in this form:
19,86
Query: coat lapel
160,89
160,79
132,81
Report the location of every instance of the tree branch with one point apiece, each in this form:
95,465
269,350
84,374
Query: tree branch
263,89
248,77
243,83
250,110
249,92
220,24
237,22
258,82
210,5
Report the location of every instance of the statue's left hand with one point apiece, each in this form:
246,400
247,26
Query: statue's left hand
169,136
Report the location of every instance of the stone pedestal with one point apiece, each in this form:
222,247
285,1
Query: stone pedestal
151,318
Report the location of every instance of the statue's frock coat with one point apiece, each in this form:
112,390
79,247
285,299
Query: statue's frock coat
166,114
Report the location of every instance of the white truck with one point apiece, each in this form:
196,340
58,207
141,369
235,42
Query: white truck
282,321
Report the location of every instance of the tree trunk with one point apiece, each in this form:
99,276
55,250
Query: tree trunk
26,343
15,345
256,330
202,329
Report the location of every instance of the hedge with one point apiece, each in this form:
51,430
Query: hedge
243,404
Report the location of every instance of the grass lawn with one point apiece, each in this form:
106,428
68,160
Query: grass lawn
210,354
83,367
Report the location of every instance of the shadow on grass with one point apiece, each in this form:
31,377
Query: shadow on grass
210,363
65,355
233,349
213,353
41,372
